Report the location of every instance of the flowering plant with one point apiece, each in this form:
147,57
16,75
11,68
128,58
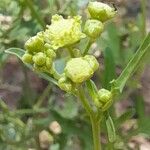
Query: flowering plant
42,49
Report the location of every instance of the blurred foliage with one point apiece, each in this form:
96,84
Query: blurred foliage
19,128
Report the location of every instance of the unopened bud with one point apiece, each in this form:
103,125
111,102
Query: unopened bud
101,11
104,99
80,69
39,59
35,44
27,58
93,28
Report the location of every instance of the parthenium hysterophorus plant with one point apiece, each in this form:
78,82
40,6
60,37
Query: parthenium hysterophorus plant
41,51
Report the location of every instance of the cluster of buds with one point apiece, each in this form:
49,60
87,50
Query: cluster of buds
39,54
99,13
41,49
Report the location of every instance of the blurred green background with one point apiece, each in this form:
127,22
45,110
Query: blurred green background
29,104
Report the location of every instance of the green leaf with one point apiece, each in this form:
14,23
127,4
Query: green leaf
132,66
19,53
92,89
110,128
109,71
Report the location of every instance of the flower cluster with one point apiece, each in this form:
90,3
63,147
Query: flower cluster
41,50
39,54
63,32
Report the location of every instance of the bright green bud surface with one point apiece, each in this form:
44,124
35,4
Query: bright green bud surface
93,28
35,44
104,95
39,59
63,32
101,11
27,58
92,61
79,69
50,53
65,84
104,99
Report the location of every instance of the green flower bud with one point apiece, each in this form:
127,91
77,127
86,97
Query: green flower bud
35,44
63,32
104,99
101,11
92,61
50,53
93,28
79,69
27,58
39,59
65,84
48,63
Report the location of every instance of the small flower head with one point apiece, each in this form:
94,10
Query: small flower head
65,84
101,11
35,44
39,59
63,32
27,58
104,99
93,28
80,69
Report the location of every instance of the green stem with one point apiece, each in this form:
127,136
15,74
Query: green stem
93,118
84,102
96,133
87,47
143,8
34,12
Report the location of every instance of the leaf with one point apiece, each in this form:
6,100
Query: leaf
15,51
132,66
92,89
110,128
109,71
19,53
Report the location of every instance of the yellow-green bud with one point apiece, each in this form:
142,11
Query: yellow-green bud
49,63
101,11
65,84
50,53
104,99
35,44
93,28
39,59
63,32
92,61
27,58
104,95
79,69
